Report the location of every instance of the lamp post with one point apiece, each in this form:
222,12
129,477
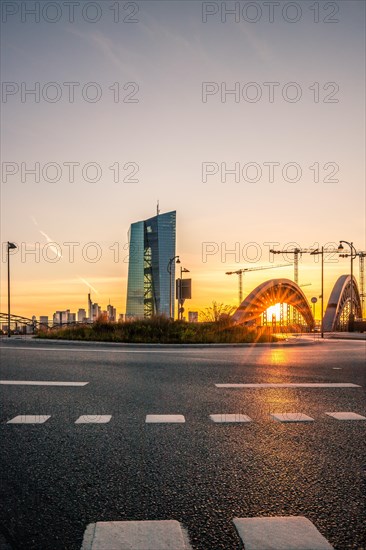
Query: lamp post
169,270
11,246
315,253
353,255
181,301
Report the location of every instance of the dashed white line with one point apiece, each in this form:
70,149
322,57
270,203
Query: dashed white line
29,419
229,418
280,533
164,418
292,417
40,383
346,416
290,385
93,419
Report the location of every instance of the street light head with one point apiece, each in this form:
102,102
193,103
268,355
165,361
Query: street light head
178,261
340,247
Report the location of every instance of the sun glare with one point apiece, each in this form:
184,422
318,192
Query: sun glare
274,310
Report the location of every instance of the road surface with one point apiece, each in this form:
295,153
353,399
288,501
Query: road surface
92,455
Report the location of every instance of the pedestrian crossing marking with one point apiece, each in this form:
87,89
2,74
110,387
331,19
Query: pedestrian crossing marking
290,385
222,418
135,535
280,533
346,416
164,419
93,419
292,417
229,418
40,383
29,419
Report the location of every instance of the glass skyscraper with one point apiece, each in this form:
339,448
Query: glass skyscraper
151,246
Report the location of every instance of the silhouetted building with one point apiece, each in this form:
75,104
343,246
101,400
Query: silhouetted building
111,313
193,316
81,315
61,317
71,317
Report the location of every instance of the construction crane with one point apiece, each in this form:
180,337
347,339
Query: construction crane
297,252
240,272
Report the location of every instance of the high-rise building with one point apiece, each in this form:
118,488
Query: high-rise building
71,317
43,320
90,307
150,286
192,316
81,315
96,312
111,313
60,317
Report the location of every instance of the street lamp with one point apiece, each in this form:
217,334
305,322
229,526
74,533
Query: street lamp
11,246
315,253
169,270
353,256
181,301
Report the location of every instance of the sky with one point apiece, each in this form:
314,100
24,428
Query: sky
250,125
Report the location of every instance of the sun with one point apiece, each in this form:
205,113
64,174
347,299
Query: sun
274,310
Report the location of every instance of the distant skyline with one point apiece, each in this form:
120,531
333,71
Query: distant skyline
172,138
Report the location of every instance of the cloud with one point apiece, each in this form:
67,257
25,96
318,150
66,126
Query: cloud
110,51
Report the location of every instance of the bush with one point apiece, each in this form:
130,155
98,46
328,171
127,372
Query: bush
160,330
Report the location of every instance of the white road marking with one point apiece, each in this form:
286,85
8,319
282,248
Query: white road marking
280,533
164,418
290,385
96,350
135,535
40,383
93,419
346,416
228,418
29,419
292,417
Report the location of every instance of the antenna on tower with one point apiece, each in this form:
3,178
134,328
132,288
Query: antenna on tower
157,209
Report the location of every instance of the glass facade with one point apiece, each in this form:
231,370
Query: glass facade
151,246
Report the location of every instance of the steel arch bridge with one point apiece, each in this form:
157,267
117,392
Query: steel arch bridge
25,321
17,319
270,293
339,304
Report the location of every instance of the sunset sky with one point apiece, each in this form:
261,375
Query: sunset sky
164,132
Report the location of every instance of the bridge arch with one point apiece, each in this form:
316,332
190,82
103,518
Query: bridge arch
340,301
270,293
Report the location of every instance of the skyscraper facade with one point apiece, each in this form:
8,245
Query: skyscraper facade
150,285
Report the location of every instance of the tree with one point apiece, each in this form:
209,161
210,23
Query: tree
217,312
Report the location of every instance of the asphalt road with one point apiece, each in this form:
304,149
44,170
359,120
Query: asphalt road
57,477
